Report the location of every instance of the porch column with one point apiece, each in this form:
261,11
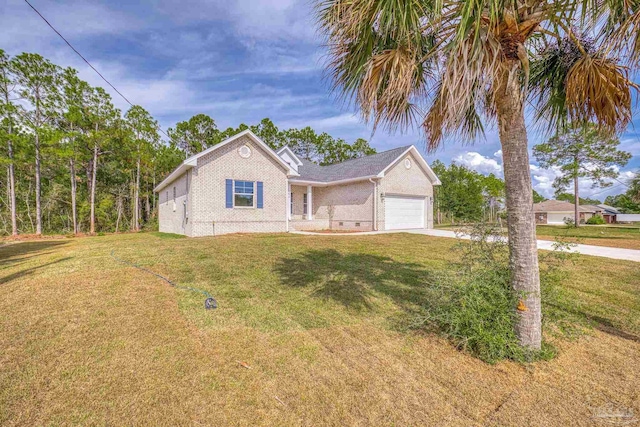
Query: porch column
309,203
288,201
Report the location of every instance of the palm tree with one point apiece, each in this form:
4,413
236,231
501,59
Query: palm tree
451,67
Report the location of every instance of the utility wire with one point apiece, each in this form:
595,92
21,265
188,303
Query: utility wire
85,60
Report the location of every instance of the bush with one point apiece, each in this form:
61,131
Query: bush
596,220
474,305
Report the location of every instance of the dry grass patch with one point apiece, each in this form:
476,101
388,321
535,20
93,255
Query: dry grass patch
89,341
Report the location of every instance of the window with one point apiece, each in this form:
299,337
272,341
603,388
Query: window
243,194
304,203
291,203
167,197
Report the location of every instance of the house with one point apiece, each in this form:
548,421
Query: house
556,212
609,213
241,185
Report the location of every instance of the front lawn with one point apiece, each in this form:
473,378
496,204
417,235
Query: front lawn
617,236
310,330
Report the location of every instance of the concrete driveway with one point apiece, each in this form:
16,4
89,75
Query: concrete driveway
601,251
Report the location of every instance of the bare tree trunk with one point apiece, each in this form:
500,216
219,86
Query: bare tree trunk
576,194
119,208
147,208
28,207
12,190
92,228
74,214
525,276
136,213
38,204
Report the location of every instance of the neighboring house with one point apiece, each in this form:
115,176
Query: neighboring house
242,186
558,212
609,213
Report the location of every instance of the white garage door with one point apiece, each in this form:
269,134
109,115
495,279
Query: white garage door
557,218
403,212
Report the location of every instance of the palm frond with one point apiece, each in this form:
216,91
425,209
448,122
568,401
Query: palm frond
626,37
599,89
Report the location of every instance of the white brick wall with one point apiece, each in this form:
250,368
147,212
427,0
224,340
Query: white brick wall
211,217
174,212
349,204
411,182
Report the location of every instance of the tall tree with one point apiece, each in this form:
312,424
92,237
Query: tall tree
144,132
537,197
75,121
38,79
467,63
634,188
194,135
461,193
269,133
101,115
7,130
493,189
582,152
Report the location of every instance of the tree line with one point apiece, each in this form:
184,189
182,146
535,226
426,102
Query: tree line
77,164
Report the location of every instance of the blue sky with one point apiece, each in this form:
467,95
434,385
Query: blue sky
237,61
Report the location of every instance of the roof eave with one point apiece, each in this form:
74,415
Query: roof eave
330,183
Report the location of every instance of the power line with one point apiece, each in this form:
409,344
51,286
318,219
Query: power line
85,60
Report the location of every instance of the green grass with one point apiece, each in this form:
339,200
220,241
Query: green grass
320,320
592,231
600,235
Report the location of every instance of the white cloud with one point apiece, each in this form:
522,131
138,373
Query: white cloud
326,124
479,163
542,180
24,30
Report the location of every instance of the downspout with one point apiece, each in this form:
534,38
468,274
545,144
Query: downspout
375,204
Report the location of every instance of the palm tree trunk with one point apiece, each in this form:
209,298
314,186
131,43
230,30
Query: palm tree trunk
523,254
74,214
576,194
38,204
92,229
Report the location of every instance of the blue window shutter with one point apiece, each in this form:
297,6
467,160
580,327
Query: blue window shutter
229,198
260,198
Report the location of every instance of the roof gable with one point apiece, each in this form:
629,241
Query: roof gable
193,160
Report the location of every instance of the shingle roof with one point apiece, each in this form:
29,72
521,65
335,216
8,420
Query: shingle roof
558,206
355,168
609,209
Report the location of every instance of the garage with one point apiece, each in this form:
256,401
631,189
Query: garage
558,217
402,212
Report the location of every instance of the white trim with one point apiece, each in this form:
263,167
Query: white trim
309,202
327,184
291,154
193,160
421,160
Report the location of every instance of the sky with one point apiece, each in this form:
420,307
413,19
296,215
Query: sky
236,61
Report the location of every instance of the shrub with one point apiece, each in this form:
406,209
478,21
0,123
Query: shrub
474,305
596,220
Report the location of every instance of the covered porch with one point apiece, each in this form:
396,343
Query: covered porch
331,207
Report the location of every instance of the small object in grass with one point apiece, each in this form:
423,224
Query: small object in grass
280,401
210,303
243,364
521,306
